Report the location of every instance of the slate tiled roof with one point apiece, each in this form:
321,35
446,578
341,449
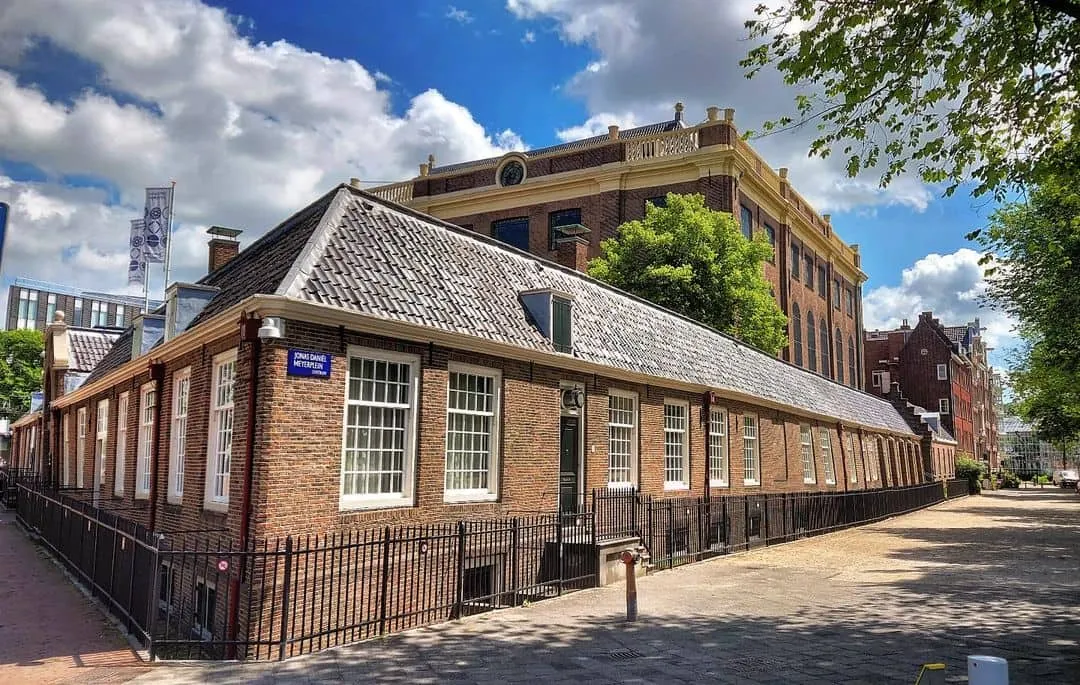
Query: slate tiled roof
640,131
956,334
89,346
386,261
117,356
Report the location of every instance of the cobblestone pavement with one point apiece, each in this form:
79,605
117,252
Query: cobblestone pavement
997,574
49,631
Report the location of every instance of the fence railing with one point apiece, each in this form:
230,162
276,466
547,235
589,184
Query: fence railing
688,529
193,595
957,487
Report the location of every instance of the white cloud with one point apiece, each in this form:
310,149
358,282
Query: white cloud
249,131
459,15
651,54
597,125
529,37
951,286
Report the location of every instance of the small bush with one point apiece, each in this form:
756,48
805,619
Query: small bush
1010,480
1044,479
970,470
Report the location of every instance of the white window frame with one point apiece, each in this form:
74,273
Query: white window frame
943,405
751,449
683,445
121,443
219,464
632,452
203,632
491,492
943,372
827,455
806,450
851,455
101,441
876,377
408,477
81,429
181,401
719,463
144,453
65,450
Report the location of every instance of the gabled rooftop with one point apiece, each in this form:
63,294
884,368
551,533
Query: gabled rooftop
355,252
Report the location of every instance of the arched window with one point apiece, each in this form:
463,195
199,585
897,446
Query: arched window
796,327
851,362
825,370
811,340
839,356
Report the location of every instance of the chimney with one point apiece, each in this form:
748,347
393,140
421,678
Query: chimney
678,111
712,113
613,132
573,252
223,246
904,325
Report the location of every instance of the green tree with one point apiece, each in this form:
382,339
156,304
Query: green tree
948,88
20,369
1033,273
696,261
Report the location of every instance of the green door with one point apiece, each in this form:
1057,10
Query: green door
569,464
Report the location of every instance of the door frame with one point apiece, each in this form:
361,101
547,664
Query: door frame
581,415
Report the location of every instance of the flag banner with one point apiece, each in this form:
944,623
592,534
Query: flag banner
136,261
156,220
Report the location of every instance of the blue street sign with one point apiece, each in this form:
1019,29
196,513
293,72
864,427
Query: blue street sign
3,229
303,363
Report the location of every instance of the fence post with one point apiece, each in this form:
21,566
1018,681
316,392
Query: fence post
385,580
671,532
514,541
283,639
746,521
155,592
559,537
460,570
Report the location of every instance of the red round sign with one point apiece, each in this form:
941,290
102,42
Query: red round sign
223,565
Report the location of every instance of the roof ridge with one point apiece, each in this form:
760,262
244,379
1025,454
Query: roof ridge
298,274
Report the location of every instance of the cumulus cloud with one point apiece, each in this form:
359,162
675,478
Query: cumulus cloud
651,54
950,286
459,15
249,131
529,37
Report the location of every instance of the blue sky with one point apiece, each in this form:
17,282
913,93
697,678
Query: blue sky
257,111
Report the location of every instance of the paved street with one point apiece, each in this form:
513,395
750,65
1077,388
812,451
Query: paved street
49,631
996,574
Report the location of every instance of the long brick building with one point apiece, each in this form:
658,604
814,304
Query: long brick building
560,202
363,364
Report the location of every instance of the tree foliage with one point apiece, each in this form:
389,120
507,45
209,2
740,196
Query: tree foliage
696,261
1033,268
20,369
950,89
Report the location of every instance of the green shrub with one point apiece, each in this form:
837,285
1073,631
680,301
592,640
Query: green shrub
970,470
1010,480
1044,479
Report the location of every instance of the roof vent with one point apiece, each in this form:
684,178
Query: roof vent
552,312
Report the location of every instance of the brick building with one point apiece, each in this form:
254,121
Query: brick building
560,202
943,369
32,303
363,364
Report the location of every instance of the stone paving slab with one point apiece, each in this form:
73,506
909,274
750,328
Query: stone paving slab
995,574
49,631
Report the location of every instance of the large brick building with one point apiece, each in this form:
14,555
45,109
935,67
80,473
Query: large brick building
945,370
560,202
363,364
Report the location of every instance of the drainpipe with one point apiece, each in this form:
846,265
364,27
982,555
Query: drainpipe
249,333
157,375
707,401
843,453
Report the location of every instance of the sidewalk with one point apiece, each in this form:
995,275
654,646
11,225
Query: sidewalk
49,631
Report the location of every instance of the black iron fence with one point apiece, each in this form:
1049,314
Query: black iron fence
958,487
10,477
192,594
683,530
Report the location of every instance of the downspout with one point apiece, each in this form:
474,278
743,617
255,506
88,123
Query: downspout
708,398
157,375
843,452
249,333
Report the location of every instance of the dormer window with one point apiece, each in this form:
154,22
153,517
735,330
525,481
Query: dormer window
552,313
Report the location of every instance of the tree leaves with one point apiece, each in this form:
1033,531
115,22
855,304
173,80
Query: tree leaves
696,261
953,90
20,369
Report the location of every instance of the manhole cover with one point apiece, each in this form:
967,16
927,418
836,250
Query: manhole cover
622,654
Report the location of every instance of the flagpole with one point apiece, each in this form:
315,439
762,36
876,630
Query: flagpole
168,236
146,288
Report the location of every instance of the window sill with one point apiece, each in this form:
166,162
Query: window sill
809,481
621,486
751,481
353,503
718,484
175,499
217,507
469,497
142,495
830,482
676,486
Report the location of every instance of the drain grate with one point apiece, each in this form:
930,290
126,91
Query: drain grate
622,654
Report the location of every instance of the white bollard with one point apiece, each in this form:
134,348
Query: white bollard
987,670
